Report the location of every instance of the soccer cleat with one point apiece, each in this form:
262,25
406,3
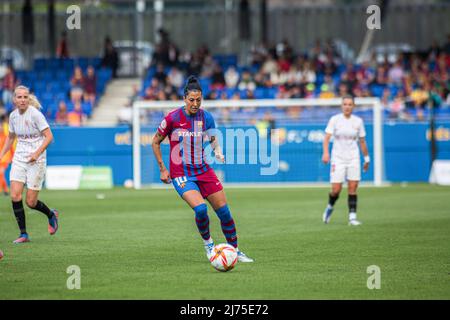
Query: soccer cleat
53,223
327,215
22,238
242,257
209,248
354,222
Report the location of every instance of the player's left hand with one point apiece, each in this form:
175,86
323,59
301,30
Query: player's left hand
220,157
366,166
33,157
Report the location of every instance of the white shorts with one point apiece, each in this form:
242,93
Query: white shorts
31,174
342,171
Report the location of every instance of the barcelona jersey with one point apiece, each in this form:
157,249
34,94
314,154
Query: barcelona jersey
186,134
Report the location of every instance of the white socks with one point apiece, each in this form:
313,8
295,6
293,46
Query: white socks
209,241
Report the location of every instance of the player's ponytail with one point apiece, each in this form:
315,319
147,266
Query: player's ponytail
192,84
34,102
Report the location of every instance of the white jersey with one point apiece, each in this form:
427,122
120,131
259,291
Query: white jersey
28,128
346,133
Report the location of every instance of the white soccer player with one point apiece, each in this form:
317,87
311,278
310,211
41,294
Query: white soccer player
28,168
347,130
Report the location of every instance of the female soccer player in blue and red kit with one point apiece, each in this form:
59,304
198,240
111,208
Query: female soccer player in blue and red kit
192,177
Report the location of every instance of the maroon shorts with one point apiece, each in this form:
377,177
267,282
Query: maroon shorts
206,183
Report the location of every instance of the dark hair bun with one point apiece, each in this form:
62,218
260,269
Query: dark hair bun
192,79
192,84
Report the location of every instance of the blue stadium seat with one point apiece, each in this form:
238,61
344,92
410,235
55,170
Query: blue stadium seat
259,93
40,63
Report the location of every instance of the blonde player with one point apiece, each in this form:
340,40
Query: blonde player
33,134
347,130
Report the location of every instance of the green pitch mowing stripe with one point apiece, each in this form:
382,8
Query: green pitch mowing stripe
144,245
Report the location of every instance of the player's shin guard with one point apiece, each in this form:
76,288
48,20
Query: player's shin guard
332,199
19,212
202,220
352,204
40,206
227,224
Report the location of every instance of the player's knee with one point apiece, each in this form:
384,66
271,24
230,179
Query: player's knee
16,196
335,192
31,203
201,210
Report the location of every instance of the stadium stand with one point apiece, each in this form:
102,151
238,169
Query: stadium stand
405,86
50,80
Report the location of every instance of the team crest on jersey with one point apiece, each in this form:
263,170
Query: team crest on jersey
200,123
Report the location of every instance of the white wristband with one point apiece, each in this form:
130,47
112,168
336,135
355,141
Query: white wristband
366,159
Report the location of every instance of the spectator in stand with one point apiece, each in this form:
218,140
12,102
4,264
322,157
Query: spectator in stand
160,74
308,74
269,66
76,117
386,98
90,86
110,57
342,90
326,92
175,77
397,107
309,90
365,75
76,85
9,82
62,116
195,65
396,73
381,76
208,67
169,90
246,82
217,78
62,50
152,92
260,79
419,97
231,77
284,64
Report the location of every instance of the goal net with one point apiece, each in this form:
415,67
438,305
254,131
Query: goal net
265,141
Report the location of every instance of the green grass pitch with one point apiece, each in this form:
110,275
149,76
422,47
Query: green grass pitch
144,245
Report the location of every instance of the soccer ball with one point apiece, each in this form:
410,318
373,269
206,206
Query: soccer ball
224,257
1,254
128,184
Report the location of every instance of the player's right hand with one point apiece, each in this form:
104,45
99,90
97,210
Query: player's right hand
165,176
325,158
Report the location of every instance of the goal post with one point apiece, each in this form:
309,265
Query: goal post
140,119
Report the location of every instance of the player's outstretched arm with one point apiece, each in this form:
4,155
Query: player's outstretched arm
325,148
217,149
156,147
365,152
